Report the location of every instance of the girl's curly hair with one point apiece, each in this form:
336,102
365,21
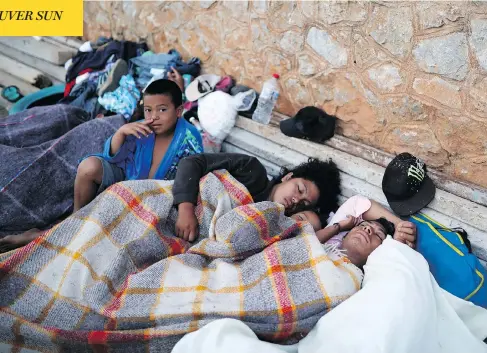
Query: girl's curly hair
325,175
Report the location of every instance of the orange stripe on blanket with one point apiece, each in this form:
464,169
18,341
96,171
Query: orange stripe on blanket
236,190
134,203
176,246
276,268
113,307
20,255
257,218
282,296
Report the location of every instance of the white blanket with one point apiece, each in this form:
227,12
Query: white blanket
401,309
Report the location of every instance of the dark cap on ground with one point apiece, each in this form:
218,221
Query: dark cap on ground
310,123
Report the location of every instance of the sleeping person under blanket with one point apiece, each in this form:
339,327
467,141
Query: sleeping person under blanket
120,260
313,184
308,216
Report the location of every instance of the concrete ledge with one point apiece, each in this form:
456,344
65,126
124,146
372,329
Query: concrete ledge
24,87
24,72
69,41
56,73
456,187
359,176
39,49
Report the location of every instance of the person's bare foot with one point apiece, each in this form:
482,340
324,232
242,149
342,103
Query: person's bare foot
11,242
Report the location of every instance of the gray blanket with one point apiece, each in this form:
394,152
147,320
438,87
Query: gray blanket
39,153
114,278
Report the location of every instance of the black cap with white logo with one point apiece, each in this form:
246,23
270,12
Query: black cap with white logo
406,185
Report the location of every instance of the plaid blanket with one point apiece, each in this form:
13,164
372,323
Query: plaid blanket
39,153
113,277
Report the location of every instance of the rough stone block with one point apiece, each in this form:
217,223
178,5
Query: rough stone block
364,53
446,55
344,97
327,47
297,92
405,109
261,35
387,77
308,65
331,12
478,97
286,16
417,139
471,169
478,41
439,90
460,135
276,63
392,27
436,14
292,42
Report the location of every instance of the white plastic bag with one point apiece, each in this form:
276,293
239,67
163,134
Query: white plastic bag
217,112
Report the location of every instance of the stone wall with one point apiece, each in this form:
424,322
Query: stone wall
399,75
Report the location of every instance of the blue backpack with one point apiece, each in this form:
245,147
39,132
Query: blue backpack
450,259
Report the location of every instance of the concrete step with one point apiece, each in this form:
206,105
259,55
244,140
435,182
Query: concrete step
6,79
40,49
56,73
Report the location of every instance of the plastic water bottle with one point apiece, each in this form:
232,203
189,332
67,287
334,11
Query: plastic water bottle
267,100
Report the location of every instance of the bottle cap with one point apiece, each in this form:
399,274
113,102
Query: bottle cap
275,75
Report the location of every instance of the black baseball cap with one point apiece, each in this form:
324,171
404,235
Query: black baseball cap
406,185
310,123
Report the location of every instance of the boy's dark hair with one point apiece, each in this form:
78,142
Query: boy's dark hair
167,88
387,225
326,177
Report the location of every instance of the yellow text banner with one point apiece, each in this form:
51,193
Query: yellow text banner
41,18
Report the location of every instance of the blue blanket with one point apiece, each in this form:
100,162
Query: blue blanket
39,153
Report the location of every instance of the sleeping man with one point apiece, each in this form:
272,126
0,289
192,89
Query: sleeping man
360,225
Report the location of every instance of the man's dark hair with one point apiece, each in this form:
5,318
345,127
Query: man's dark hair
388,226
167,88
326,177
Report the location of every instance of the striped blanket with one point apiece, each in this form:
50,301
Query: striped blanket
39,153
113,277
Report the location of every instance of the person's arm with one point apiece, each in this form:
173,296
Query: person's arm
377,211
405,232
136,129
124,153
246,169
331,230
175,76
116,142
